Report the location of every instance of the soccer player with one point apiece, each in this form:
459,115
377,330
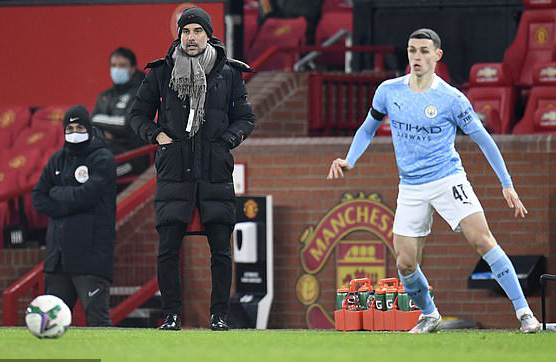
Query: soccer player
424,113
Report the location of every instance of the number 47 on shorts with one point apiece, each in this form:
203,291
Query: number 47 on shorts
459,194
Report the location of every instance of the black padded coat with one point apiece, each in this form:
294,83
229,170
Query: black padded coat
195,170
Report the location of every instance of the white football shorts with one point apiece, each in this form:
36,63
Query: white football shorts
452,197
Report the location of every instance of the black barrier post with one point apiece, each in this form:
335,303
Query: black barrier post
542,281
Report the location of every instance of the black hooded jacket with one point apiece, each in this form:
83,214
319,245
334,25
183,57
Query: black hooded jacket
198,168
77,190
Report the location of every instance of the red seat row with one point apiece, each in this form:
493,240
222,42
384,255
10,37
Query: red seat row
19,129
20,170
279,32
540,112
27,142
535,41
525,73
336,15
493,97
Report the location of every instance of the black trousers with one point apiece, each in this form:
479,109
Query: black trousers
93,291
171,236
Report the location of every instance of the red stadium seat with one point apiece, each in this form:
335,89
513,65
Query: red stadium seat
289,32
25,163
544,120
52,115
19,170
539,4
337,5
41,137
5,140
541,100
12,121
9,182
490,118
492,95
534,42
336,15
441,70
250,23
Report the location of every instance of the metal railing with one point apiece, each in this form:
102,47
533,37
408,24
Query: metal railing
294,51
342,33
338,103
33,281
120,158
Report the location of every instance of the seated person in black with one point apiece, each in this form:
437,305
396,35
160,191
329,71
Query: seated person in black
112,106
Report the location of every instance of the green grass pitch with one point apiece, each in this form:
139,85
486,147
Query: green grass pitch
117,344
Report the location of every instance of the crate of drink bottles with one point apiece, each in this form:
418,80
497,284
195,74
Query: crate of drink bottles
386,308
384,312
350,304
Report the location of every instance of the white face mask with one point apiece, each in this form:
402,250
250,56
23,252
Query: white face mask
76,137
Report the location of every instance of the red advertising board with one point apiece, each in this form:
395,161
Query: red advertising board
60,54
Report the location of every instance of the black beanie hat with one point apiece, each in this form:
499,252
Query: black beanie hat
195,15
78,114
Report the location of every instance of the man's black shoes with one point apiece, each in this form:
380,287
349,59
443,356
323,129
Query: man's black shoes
218,323
172,322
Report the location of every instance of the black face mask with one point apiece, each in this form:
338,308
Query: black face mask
77,148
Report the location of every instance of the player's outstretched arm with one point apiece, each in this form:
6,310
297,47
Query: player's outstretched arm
512,198
361,141
494,157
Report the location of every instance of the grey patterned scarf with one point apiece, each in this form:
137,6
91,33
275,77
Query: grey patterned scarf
189,80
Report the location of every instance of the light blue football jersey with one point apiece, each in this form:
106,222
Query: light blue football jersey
424,126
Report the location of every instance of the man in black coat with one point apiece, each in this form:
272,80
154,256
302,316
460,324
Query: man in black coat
112,106
77,190
203,113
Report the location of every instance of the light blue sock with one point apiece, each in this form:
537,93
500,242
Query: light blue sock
505,275
417,288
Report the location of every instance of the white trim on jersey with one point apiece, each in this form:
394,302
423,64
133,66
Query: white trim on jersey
110,120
